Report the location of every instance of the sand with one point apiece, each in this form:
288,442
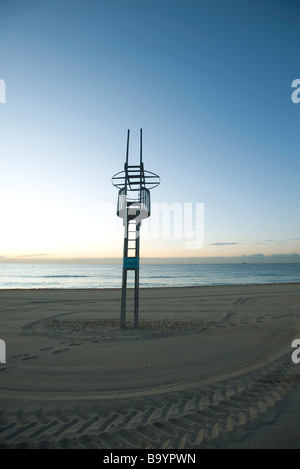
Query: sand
209,367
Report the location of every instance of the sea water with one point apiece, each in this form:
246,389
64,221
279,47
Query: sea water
151,275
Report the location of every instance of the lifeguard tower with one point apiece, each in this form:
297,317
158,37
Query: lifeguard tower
134,184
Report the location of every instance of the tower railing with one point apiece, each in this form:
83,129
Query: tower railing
130,206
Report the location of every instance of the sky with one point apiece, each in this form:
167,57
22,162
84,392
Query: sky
210,84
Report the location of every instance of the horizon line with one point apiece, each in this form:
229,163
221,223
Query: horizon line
251,258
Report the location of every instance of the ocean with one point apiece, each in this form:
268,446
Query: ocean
151,275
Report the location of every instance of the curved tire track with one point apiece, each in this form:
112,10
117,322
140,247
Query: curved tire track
193,418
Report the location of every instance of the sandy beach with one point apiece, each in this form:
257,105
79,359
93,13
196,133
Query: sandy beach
209,367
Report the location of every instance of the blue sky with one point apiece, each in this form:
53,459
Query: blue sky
208,81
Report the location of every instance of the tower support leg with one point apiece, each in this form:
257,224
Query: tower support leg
136,299
123,300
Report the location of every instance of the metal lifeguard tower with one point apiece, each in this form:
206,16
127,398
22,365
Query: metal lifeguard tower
134,184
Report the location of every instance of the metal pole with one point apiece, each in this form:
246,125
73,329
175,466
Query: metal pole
136,277
126,164
125,248
127,149
141,144
136,299
123,301
137,242
124,275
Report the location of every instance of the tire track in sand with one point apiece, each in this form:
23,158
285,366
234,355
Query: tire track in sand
192,418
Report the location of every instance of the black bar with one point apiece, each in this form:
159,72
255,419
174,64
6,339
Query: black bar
102,458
